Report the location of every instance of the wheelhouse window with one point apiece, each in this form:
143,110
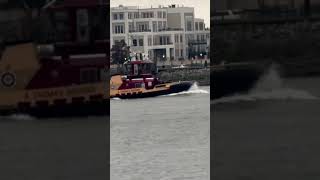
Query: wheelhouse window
138,85
61,19
104,74
128,68
89,75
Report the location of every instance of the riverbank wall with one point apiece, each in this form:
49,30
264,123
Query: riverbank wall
201,76
292,44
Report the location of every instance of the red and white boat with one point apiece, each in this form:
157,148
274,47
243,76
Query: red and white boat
139,82
64,78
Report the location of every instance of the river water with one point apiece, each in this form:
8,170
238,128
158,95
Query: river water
53,149
270,133
155,138
165,137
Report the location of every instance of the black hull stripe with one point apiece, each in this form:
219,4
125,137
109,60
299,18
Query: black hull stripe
176,88
97,108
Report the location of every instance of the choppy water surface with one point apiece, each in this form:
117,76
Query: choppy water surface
165,137
271,132
63,149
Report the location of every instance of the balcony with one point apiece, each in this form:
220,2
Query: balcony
171,29
144,30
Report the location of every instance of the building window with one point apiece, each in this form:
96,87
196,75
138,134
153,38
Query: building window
159,14
121,16
164,15
164,24
136,15
119,29
129,15
140,42
143,27
115,16
144,15
151,15
196,26
181,40
131,29
149,41
181,53
176,52
159,25
134,42
189,26
154,26
201,26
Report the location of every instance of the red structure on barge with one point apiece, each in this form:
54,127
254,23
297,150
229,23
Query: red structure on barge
64,78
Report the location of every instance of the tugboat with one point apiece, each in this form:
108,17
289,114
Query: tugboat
66,78
234,78
139,81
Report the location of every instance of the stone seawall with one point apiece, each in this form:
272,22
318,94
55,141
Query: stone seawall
291,44
201,76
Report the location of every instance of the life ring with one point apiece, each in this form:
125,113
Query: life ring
8,79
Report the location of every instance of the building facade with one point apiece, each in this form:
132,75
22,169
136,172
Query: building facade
164,33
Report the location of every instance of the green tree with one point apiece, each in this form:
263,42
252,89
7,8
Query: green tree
120,52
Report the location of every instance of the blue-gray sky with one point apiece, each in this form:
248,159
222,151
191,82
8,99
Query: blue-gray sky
201,7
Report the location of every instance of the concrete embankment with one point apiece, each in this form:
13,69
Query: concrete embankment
293,45
300,66
201,76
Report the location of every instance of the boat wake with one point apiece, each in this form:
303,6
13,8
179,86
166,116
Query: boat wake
279,94
269,87
115,99
194,89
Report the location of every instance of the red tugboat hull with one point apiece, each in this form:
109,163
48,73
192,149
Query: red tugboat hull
164,89
66,76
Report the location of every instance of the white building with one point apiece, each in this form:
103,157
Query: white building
163,33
